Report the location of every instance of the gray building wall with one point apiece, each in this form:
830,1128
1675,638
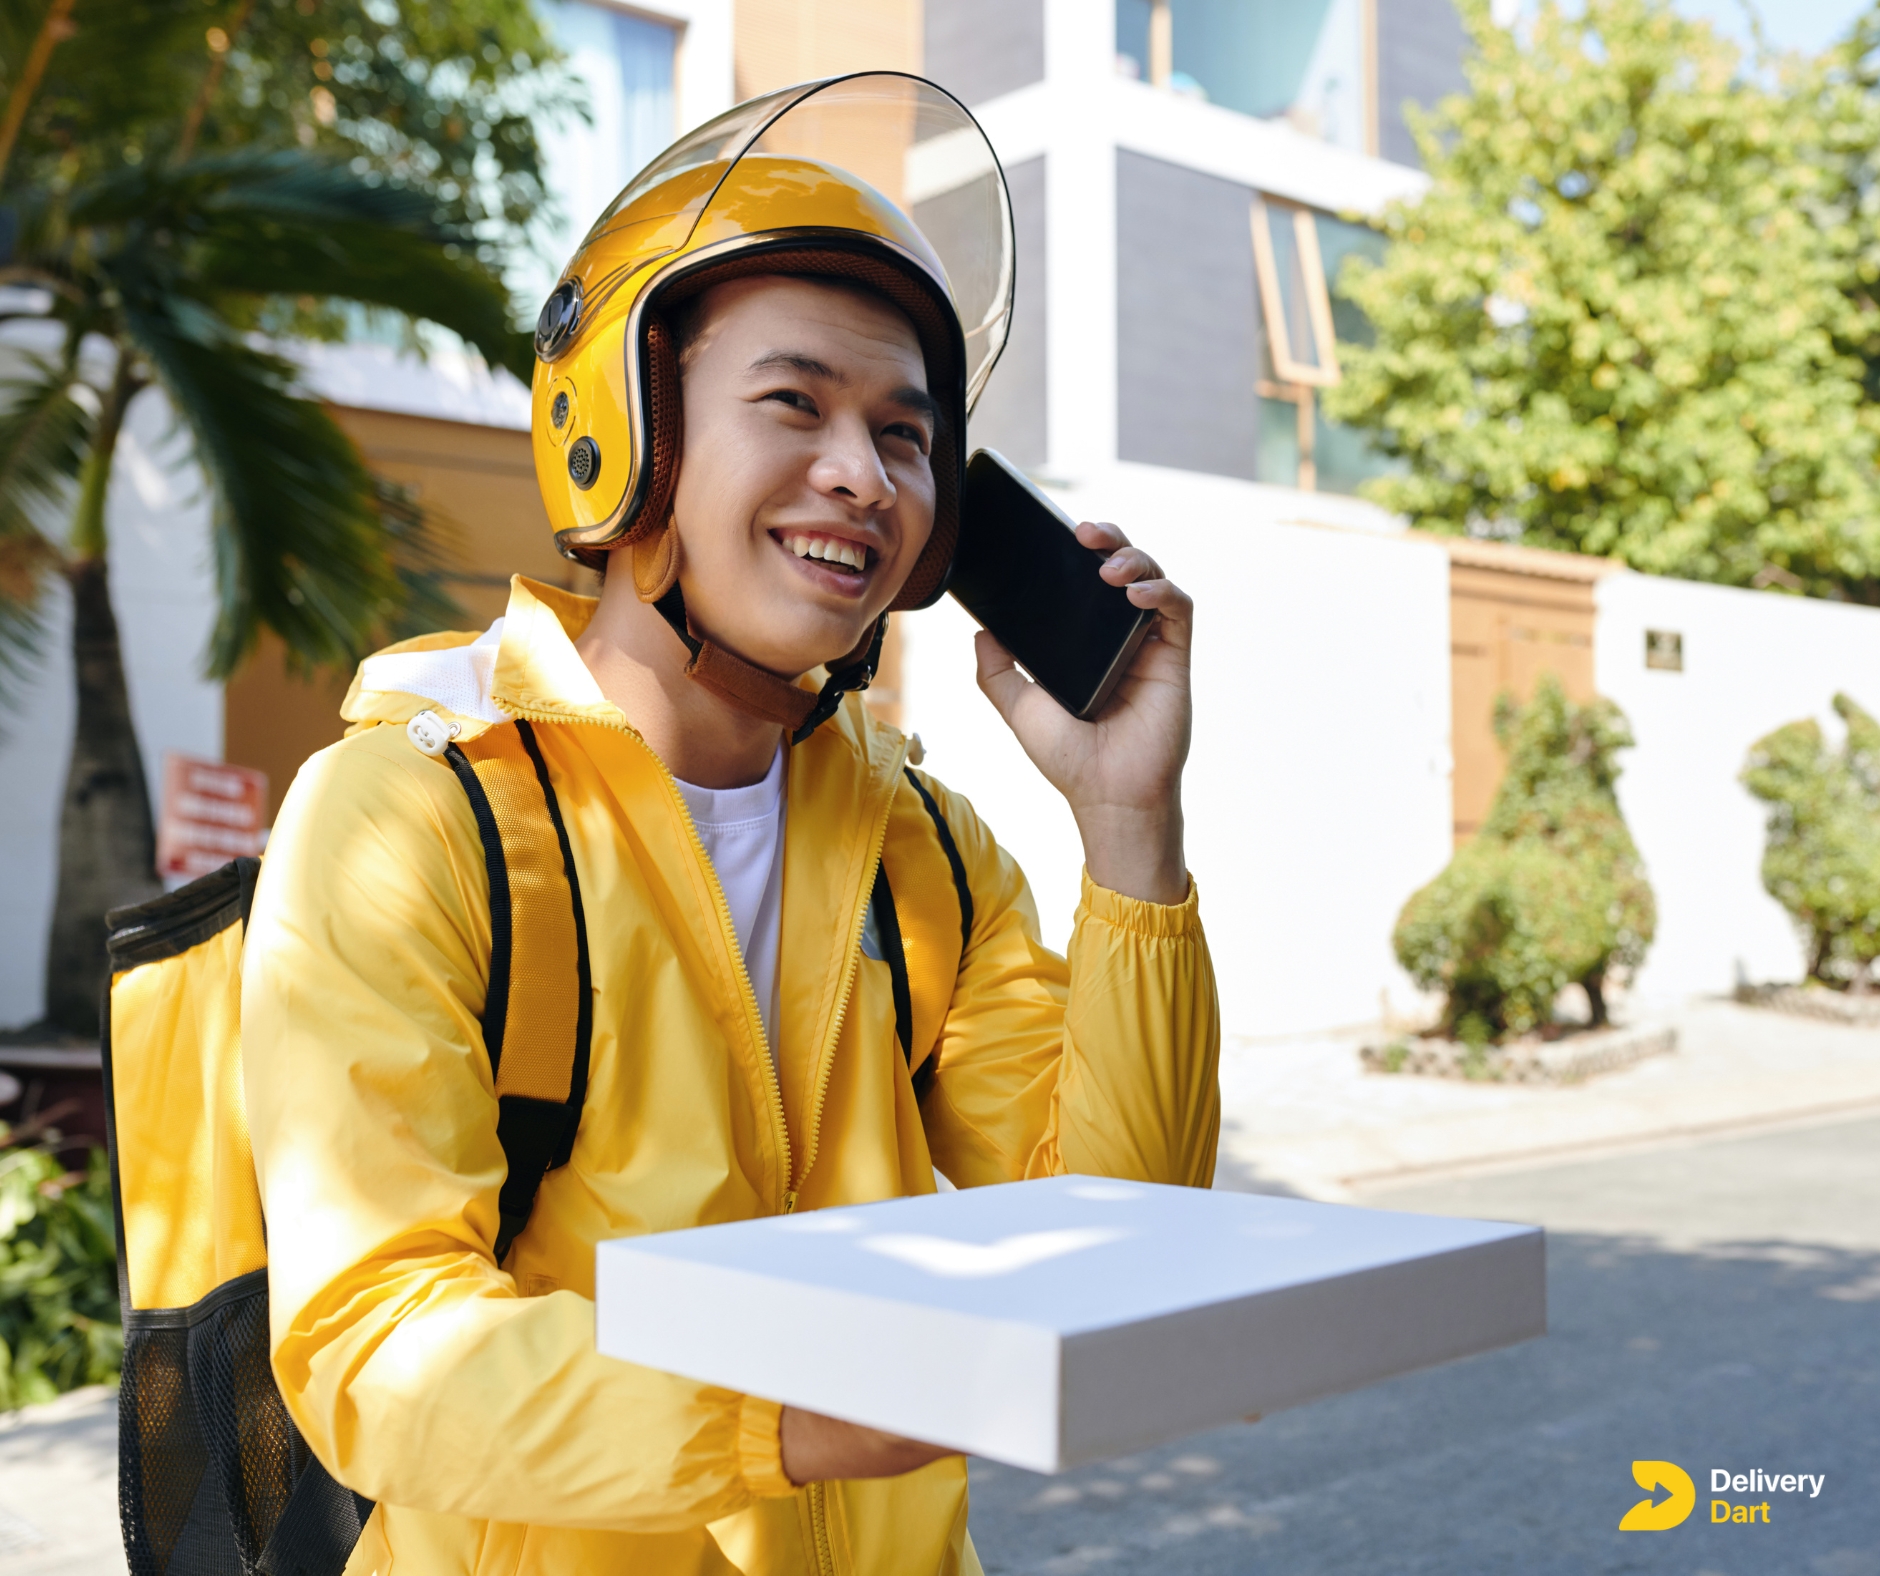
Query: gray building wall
1011,414
978,49
1420,47
1188,330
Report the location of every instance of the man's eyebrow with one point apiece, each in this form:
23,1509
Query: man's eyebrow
918,400
796,361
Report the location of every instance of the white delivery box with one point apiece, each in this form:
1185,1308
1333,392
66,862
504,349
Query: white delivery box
1051,1323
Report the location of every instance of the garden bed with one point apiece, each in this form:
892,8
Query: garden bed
1569,1059
1815,1001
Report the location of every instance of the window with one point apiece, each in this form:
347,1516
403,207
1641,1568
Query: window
1310,62
625,62
1297,255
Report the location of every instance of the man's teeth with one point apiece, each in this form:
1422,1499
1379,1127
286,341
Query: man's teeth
851,554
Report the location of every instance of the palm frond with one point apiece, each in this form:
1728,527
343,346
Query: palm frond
44,433
300,545
286,223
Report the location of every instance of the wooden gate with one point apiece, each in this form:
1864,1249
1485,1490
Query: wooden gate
1514,614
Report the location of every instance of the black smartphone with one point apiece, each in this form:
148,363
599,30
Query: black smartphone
1021,571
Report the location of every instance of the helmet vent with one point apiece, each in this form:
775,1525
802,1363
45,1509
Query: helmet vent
584,463
558,412
560,318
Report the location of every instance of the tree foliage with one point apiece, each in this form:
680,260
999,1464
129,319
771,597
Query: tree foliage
1628,315
1822,858
58,1272
1550,892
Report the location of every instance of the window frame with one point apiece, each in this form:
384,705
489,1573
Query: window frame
1318,299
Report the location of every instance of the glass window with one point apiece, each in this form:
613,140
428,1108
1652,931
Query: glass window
1301,60
625,63
1298,255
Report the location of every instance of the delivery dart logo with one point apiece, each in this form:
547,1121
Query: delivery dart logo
1661,1515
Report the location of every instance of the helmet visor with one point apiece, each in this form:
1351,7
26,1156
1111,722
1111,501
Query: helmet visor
911,142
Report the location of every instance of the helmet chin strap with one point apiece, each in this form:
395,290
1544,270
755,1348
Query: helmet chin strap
760,693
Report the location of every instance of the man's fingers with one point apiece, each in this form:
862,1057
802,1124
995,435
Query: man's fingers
1177,608
1101,535
999,677
1129,564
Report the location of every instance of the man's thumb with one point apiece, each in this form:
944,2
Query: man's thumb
999,677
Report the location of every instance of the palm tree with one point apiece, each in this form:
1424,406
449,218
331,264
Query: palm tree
147,279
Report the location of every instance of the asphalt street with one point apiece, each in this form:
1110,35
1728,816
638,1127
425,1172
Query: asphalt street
1716,1305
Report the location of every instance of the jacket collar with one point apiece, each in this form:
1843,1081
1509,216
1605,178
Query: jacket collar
539,674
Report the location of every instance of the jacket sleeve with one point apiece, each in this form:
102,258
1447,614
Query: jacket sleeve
1105,1063
417,1373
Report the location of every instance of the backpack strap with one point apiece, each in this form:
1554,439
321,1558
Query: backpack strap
894,953
538,1018
962,890
921,945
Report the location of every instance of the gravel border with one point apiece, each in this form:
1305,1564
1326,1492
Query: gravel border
1814,1001
1569,1060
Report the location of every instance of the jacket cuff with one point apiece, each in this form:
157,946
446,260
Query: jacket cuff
760,1449
1174,921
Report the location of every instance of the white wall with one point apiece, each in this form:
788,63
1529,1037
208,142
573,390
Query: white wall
163,590
1318,790
1753,660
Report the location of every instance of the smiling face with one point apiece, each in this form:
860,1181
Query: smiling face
806,488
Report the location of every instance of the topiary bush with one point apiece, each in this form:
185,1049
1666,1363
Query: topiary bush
1551,891
59,1321
1822,858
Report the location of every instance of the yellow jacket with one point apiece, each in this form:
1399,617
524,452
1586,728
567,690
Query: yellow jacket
468,1399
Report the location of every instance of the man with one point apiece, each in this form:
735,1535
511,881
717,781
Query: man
749,1050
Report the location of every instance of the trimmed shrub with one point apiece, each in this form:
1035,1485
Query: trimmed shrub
1551,892
1822,858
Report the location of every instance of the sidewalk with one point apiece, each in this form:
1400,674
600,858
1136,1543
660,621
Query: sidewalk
1299,1116
58,1487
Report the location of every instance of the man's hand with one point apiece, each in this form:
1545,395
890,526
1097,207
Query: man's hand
1121,773
818,1449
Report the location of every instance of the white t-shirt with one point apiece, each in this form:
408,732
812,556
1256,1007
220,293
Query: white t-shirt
742,830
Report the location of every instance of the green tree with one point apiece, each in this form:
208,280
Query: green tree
177,176
1550,892
1822,858
1623,319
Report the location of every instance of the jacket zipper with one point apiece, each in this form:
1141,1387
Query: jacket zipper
819,1528
753,1018
812,1136
817,1492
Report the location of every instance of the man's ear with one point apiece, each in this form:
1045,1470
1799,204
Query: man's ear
656,562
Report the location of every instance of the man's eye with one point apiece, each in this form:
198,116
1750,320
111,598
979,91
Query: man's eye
795,399
907,430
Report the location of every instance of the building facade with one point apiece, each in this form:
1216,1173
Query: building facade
1188,178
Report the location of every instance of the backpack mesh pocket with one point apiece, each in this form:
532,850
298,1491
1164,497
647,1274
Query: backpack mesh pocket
209,1463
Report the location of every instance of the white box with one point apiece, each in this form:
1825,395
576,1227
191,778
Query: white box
1046,1324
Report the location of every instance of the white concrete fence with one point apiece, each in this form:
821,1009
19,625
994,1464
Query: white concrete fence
1318,794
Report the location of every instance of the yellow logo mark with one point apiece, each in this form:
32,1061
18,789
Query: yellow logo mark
1666,1513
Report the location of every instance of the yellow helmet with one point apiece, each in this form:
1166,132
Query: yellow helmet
816,179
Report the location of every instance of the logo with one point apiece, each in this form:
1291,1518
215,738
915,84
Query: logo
1661,1515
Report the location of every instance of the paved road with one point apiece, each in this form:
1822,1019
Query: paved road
1714,1305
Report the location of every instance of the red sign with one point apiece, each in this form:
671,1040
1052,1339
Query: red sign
211,813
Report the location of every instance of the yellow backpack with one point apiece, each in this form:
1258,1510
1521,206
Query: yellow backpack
213,1476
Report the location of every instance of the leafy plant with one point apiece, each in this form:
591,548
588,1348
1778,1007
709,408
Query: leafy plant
1550,892
59,1321
1822,858
1626,318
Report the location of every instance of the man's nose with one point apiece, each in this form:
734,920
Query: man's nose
850,467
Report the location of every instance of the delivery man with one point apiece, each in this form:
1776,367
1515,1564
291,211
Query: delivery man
750,412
